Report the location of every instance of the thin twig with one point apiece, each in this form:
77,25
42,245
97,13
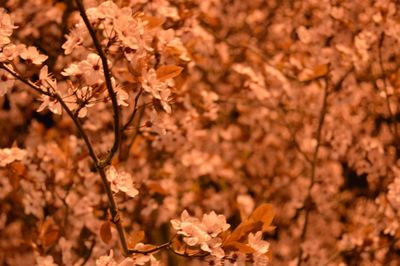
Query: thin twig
107,77
89,253
134,111
308,200
392,116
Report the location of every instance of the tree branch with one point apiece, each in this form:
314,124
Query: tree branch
107,77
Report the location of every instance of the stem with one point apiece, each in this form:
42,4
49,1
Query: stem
308,200
392,116
107,77
135,109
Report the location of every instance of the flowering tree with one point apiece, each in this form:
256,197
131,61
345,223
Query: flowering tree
172,132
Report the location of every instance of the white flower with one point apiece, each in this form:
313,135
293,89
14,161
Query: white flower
109,261
121,94
215,224
121,182
84,95
156,123
74,39
257,243
6,81
92,69
164,99
393,194
158,89
11,51
72,70
106,260
45,261
9,155
151,84
32,55
6,27
124,26
255,82
51,103
246,204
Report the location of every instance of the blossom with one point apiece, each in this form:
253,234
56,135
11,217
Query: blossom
84,95
9,155
74,39
256,81
52,103
121,181
45,261
32,55
10,51
393,194
6,81
106,260
72,70
257,243
157,88
109,261
142,259
125,26
164,99
156,123
203,233
121,94
6,27
92,69
214,224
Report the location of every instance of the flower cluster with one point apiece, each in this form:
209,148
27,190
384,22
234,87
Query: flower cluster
204,233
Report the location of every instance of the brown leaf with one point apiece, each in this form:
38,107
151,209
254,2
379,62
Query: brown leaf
136,237
241,232
243,248
168,72
153,22
154,187
260,219
315,73
320,70
48,233
264,213
105,232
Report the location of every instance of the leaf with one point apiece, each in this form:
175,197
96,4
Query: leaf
153,22
155,187
320,70
260,219
105,232
243,248
243,230
168,72
48,233
315,73
136,237
264,213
